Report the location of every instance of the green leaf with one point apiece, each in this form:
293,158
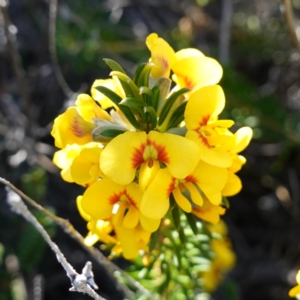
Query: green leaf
145,74
177,116
169,103
176,217
146,90
153,240
181,235
225,202
115,98
130,116
152,113
130,88
114,66
111,132
155,97
192,222
133,103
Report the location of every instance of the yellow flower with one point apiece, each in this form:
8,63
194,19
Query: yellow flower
79,164
209,179
192,69
296,289
209,212
162,55
112,84
212,135
132,240
106,199
76,124
125,153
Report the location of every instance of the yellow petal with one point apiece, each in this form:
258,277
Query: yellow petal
150,225
112,84
99,199
131,218
195,72
203,104
82,213
242,139
85,167
237,162
126,236
183,202
209,154
147,173
189,52
294,291
162,55
209,212
71,128
91,239
120,158
215,199
195,194
233,185
180,155
209,178
155,201
88,108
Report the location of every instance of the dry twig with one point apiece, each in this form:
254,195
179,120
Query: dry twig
95,253
288,13
83,282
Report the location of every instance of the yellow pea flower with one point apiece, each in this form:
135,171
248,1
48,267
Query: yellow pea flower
76,124
212,135
106,199
79,164
131,241
125,153
209,212
192,69
209,179
162,56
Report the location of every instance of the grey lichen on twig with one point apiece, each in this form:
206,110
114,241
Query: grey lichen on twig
95,253
84,282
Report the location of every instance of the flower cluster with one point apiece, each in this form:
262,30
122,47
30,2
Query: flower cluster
144,145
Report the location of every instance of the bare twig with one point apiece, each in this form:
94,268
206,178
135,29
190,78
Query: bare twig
80,282
95,253
52,49
17,62
288,13
224,33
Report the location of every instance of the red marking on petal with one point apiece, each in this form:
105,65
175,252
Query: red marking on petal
115,198
138,158
204,120
75,127
171,186
162,154
191,178
196,209
204,141
163,62
189,82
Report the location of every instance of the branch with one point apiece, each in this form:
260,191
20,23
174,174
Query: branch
83,282
95,253
288,13
224,34
17,62
52,49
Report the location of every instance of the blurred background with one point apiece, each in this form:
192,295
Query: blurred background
262,86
